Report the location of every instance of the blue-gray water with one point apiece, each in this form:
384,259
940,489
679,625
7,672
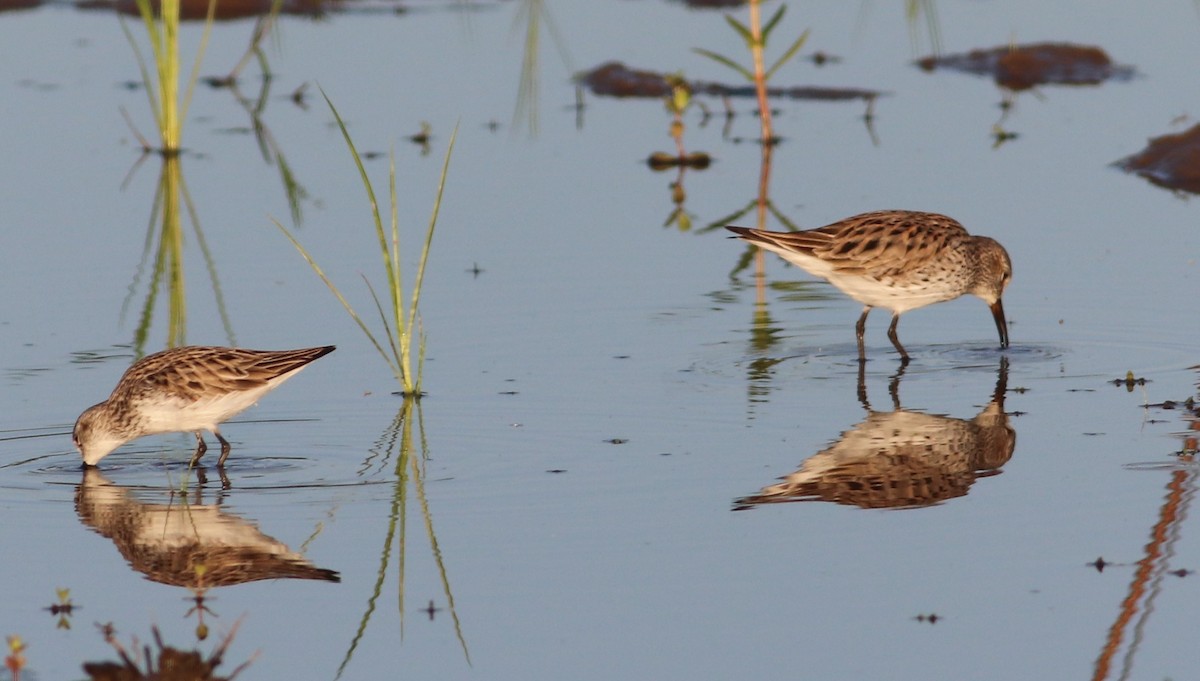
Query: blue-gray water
597,397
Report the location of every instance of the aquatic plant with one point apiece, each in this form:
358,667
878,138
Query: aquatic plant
14,662
755,35
404,324
163,31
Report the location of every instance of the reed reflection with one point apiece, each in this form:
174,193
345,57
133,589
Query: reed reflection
901,458
1161,554
163,257
403,449
255,107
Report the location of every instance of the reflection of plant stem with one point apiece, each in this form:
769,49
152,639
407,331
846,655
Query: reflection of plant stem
209,264
399,437
419,480
913,10
170,199
268,147
527,89
168,257
262,27
1146,584
533,13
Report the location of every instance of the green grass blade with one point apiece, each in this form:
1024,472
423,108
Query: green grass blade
168,73
772,22
791,52
420,355
147,14
394,265
387,328
195,75
393,284
741,29
722,59
146,83
338,294
437,204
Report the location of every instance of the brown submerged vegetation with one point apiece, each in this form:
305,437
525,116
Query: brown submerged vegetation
615,79
1021,67
227,10
1170,161
169,664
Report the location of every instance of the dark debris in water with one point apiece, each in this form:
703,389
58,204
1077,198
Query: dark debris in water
227,10
1170,161
661,160
1021,67
1188,404
614,79
9,5
713,4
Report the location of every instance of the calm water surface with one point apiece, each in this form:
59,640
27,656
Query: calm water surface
602,392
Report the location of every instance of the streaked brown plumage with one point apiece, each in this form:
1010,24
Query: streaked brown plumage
898,260
191,388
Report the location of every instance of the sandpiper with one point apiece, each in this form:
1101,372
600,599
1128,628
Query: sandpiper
186,389
899,260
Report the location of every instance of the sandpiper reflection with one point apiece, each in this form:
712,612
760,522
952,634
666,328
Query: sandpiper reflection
167,543
901,458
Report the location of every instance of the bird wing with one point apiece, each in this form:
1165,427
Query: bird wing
874,244
190,372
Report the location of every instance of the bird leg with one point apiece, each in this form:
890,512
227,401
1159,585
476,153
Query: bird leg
200,449
862,387
896,341
224,450
860,329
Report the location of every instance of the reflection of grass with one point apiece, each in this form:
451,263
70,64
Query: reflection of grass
913,10
410,465
534,13
270,149
403,327
163,31
166,223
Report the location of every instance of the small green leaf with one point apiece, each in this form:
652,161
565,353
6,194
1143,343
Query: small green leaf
741,29
726,61
791,52
772,22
